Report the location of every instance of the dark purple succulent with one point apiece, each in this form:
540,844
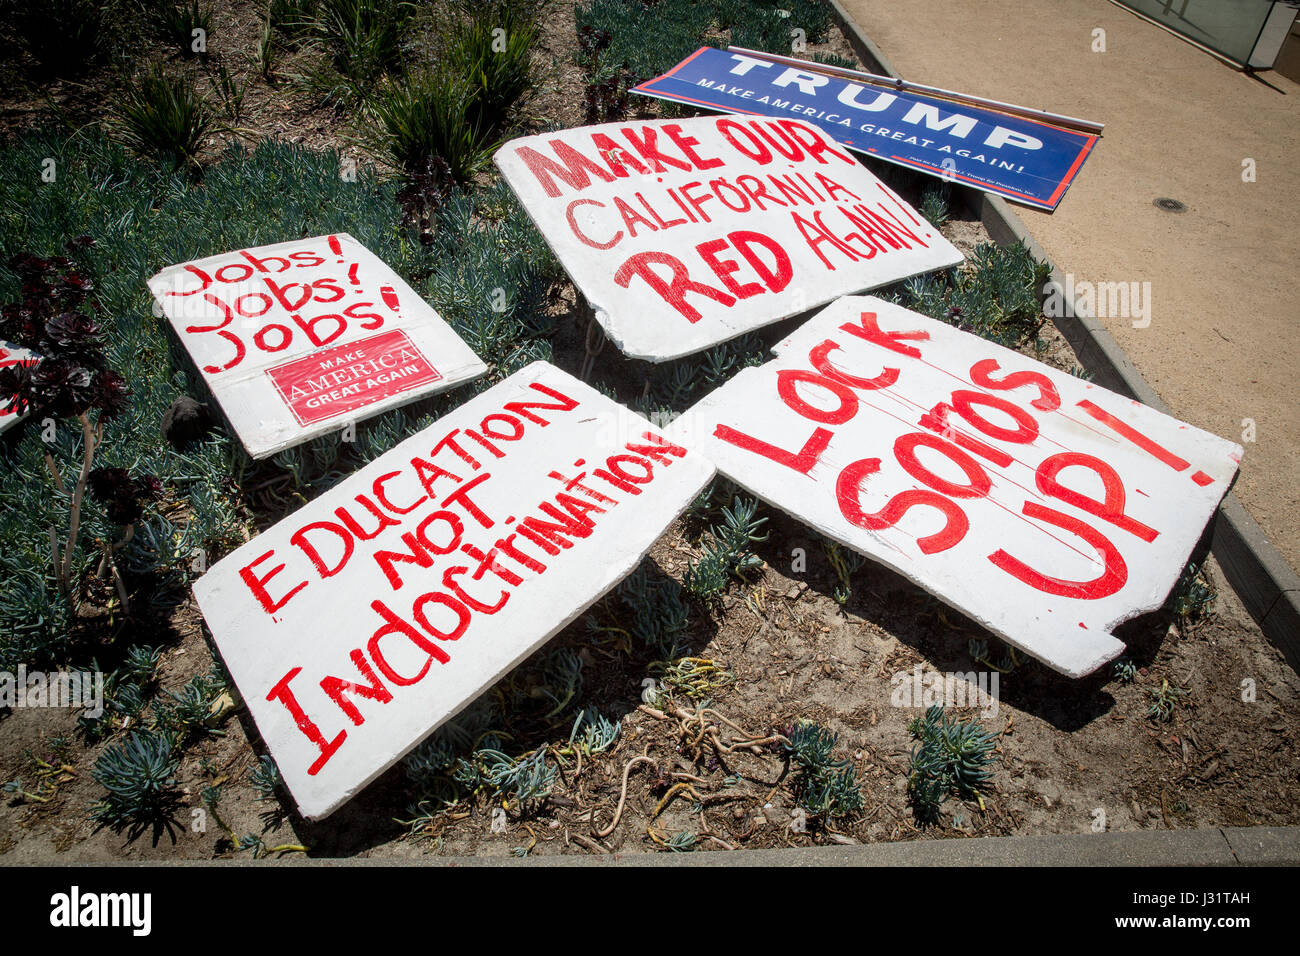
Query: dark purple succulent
61,387
29,266
20,325
71,332
111,394
123,496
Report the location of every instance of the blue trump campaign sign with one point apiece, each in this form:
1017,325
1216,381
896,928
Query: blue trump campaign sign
1024,159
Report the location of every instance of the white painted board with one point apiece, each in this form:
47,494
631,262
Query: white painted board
11,354
1044,507
300,338
686,233
324,596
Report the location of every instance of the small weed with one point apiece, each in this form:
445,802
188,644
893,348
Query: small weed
592,732
934,204
1164,701
1193,595
1125,671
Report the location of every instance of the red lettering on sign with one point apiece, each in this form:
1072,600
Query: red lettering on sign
800,461
868,329
1111,508
981,373
1113,575
848,487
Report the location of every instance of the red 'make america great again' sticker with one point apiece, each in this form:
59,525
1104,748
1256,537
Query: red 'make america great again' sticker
340,380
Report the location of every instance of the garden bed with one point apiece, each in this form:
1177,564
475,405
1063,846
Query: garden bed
795,648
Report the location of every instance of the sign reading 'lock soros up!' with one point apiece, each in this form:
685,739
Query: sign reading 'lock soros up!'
299,338
1044,507
685,233
356,626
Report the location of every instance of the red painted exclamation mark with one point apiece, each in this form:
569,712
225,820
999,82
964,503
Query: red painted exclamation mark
1157,451
352,274
389,295
335,247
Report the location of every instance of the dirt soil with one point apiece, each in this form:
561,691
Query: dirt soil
1073,756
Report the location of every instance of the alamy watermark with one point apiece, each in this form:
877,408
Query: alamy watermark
73,689
915,688
1102,300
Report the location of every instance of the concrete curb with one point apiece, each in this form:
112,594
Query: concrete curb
1268,586
1217,846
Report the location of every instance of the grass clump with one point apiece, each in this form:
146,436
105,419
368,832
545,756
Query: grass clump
163,119
425,128
362,39
185,24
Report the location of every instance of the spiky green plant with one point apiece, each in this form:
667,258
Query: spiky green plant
163,119
593,732
492,52
362,38
729,551
425,127
824,786
177,21
952,757
140,777
1193,595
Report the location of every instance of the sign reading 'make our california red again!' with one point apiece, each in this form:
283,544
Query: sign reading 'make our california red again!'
300,338
360,623
686,233
1044,507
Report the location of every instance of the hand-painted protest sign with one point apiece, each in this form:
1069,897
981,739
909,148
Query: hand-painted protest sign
11,355
1044,507
300,338
683,234
991,146
357,625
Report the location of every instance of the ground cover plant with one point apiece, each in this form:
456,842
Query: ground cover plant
733,691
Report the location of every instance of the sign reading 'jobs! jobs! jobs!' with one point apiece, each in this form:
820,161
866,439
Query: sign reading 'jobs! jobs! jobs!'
357,625
1044,507
299,338
686,233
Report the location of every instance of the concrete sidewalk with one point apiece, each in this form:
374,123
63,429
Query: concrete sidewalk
1217,846
1222,344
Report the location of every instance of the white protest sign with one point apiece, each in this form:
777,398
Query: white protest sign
1044,507
299,338
11,354
356,626
686,233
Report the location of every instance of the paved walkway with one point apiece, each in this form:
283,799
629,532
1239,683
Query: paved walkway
1222,345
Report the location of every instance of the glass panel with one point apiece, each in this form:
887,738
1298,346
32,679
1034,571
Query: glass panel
1229,27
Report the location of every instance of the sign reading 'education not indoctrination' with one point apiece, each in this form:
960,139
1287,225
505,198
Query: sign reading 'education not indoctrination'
360,623
686,233
1023,159
1044,507
299,338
